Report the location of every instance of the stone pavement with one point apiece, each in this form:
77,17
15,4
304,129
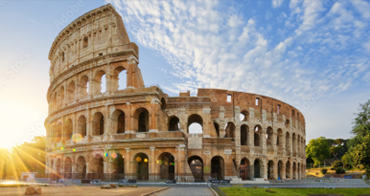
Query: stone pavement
186,190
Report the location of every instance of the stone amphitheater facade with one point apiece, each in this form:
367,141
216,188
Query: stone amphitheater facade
139,132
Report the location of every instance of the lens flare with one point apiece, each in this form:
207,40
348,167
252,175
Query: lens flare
114,155
106,154
62,148
74,150
145,160
138,159
77,137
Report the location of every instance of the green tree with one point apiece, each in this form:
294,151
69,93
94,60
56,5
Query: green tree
347,160
318,150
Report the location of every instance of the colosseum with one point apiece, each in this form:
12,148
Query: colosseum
101,130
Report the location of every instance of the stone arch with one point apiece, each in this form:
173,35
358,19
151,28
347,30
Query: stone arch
85,42
141,166
299,170
98,82
270,170
258,168
196,166
269,136
288,168
217,128
81,126
244,134
84,87
217,168
287,141
119,78
141,120
71,91
244,115
68,129
98,124
294,170
58,132
58,167
195,124
230,130
257,135
279,138
61,96
166,162
294,145
68,168
280,170
118,118
245,169
287,124
118,166
97,167
174,123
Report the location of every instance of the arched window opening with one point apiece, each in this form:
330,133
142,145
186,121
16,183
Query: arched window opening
81,168
230,130
287,142
163,104
98,124
63,57
279,138
120,78
103,86
68,168
217,168
257,169
118,166
141,120
269,136
244,131
293,113
85,43
166,164
287,124
294,144
54,102
196,167
257,132
270,170
84,87
217,128
98,166
61,96
121,123
100,82
58,135
58,167
81,127
68,129
118,121
287,170
174,124
141,167
280,170
244,115
294,170
245,173
195,124
71,91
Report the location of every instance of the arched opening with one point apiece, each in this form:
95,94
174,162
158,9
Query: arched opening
54,101
81,168
270,170
294,171
257,138
298,145
58,132
287,170
120,78
244,115
71,91
163,104
97,167
299,171
245,169
100,81
287,142
257,168
280,170
166,164
118,166
85,42
230,130
68,128
279,139
217,168
61,96
118,121
294,144
269,136
195,124
287,124
81,126
84,87
196,166
217,128
98,124
58,168
141,116
244,131
142,166
68,168
174,124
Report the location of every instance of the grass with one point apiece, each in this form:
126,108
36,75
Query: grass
237,191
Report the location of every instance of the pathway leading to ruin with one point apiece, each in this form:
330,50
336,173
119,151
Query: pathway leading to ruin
187,190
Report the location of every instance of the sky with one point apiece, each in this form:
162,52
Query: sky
312,54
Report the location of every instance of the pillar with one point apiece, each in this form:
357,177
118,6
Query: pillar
152,172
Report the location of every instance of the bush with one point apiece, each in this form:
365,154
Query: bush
324,171
332,169
340,170
336,164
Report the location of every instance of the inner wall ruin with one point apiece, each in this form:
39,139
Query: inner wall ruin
139,132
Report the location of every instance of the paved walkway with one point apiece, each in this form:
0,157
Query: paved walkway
187,190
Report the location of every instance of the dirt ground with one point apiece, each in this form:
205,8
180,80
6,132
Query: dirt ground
81,191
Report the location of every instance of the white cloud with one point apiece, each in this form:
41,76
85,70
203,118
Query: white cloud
363,7
310,17
277,3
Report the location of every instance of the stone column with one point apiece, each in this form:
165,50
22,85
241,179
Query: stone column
264,166
153,174
276,168
128,169
283,173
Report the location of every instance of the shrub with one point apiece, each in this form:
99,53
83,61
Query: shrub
336,164
324,171
340,170
332,169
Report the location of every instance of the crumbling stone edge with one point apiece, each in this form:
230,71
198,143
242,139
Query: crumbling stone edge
157,191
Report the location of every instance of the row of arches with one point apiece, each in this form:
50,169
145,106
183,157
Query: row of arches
81,89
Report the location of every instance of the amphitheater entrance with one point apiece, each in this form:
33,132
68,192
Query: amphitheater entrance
142,166
287,170
217,168
270,170
166,164
257,169
97,168
196,166
118,166
280,170
81,168
294,171
68,168
245,169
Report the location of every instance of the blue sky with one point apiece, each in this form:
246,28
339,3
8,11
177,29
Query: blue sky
311,54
